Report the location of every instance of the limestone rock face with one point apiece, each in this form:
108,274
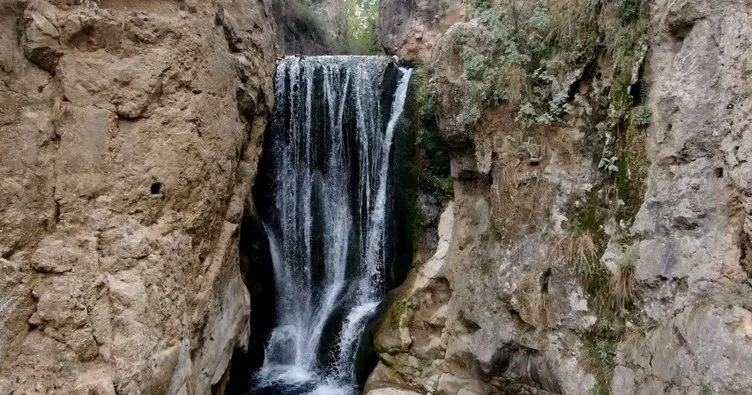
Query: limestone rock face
694,226
410,28
311,27
497,309
129,135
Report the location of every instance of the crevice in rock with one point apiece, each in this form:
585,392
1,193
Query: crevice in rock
233,41
256,267
545,280
469,324
584,80
638,89
680,28
745,257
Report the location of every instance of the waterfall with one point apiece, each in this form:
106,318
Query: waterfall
326,214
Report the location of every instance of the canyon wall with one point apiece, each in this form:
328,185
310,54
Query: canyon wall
598,238
311,27
129,136
410,28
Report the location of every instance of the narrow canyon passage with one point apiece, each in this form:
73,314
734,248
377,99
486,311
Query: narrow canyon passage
326,197
555,197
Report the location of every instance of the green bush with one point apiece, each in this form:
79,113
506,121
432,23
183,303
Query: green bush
363,27
642,116
630,10
474,63
599,357
519,57
480,5
525,54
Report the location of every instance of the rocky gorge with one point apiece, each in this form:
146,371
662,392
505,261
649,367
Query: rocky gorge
581,222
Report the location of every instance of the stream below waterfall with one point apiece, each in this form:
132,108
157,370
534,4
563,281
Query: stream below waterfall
326,208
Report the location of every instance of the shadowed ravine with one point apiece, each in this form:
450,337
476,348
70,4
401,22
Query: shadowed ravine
326,202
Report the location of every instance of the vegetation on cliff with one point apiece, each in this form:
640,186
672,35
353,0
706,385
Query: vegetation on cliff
434,175
571,63
545,109
317,27
363,27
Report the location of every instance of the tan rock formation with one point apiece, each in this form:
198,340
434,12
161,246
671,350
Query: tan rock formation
129,135
410,28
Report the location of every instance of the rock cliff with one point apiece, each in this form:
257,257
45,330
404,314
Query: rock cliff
599,232
129,136
410,28
313,27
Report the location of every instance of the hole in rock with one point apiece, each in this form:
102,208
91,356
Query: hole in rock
156,188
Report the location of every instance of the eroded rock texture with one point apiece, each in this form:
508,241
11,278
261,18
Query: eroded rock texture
665,306
129,135
694,272
410,28
311,27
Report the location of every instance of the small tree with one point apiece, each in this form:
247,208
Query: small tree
363,27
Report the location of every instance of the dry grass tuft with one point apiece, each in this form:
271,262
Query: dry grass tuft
576,250
545,309
533,302
564,15
515,180
536,309
623,282
623,286
516,79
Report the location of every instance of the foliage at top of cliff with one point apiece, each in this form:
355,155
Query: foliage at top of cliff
529,54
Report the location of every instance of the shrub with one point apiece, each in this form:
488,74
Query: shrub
600,345
520,55
480,5
642,116
629,10
474,64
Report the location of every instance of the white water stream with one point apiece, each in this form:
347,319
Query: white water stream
332,157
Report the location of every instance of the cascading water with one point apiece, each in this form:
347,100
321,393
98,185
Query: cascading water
326,215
